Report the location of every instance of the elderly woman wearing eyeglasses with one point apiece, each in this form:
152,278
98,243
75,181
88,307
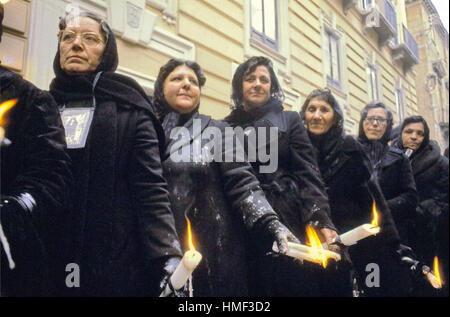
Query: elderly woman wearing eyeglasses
121,231
392,166
394,174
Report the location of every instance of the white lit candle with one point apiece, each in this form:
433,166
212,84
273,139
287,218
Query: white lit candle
5,244
307,253
188,264
353,236
433,277
4,107
366,230
433,280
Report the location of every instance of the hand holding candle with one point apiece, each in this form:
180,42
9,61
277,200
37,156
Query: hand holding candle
366,230
4,107
433,277
188,264
314,253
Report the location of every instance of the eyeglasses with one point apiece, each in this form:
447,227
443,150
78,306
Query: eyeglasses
88,39
377,119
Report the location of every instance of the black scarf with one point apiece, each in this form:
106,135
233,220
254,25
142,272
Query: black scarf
110,87
123,90
375,149
172,119
328,147
424,157
243,118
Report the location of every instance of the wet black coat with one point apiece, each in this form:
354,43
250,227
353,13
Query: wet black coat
121,229
121,226
352,189
430,170
396,180
223,201
295,190
35,163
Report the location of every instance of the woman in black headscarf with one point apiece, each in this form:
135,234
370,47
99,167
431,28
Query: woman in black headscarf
121,230
211,185
392,167
351,188
293,186
429,235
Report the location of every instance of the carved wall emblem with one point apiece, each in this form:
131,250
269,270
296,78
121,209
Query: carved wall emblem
134,14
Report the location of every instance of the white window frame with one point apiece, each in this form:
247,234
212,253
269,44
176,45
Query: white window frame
400,103
253,47
332,73
366,4
261,35
373,73
329,25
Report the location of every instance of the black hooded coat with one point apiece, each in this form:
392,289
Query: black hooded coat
352,189
121,229
295,191
36,163
429,232
395,177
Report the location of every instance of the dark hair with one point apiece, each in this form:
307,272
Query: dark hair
63,21
389,117
325,95
2,13
249,67
426,129
159,101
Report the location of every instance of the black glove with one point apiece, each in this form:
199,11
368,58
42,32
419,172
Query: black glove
407,258
405,255
281,234
15,217
169,267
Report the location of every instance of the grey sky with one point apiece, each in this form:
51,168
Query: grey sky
442,8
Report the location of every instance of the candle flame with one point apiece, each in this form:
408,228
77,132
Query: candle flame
436,271
190,240
315,243
375,215
4,107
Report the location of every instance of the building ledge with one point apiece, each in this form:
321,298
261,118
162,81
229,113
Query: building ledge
402,53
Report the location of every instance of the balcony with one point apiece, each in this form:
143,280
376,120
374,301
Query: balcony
381,17
348,4
405,49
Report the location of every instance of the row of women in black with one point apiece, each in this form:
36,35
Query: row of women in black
125,223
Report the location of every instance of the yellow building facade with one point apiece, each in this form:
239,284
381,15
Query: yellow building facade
362,50
432,78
